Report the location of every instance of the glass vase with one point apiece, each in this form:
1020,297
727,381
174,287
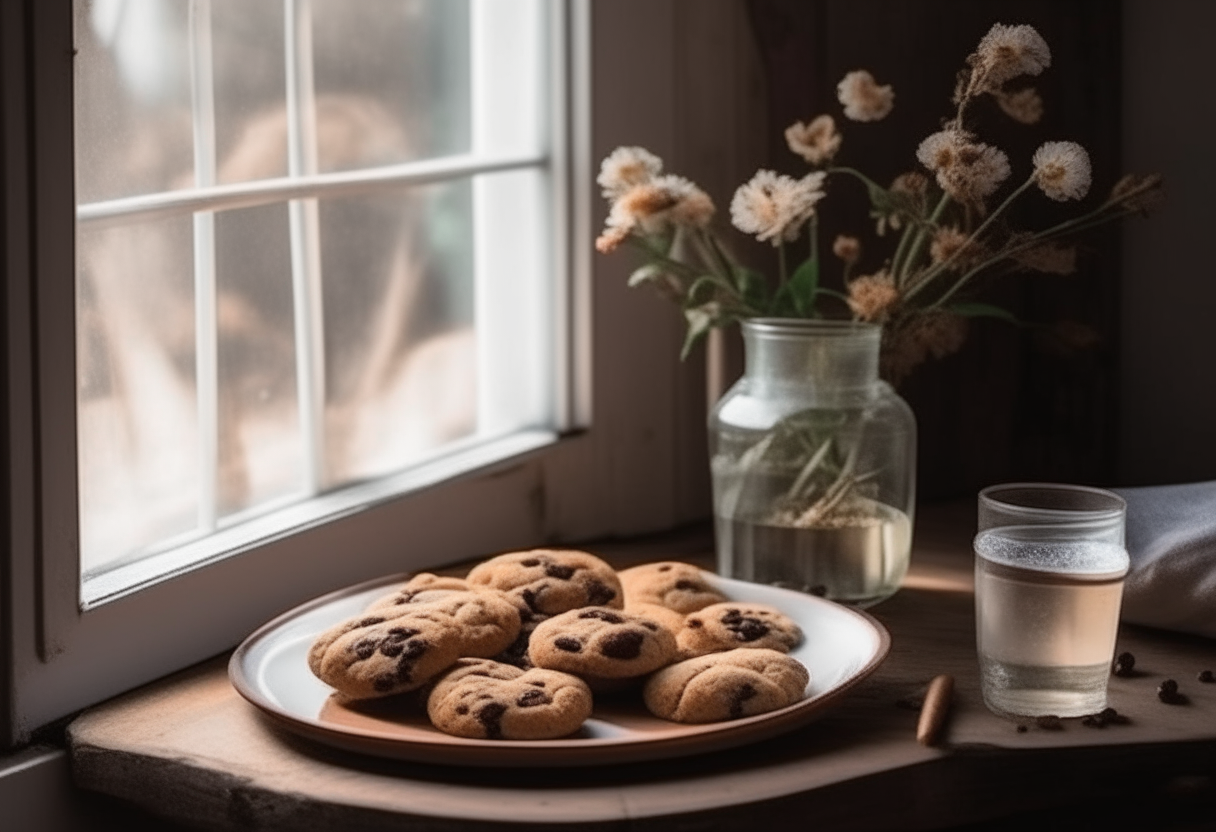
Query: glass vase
814,463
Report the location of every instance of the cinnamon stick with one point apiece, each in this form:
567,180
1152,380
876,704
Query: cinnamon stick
933,713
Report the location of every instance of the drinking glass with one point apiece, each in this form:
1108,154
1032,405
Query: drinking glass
1049,568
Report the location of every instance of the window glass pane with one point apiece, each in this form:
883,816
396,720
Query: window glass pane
258,439
132,98
392,80
400,365
138,451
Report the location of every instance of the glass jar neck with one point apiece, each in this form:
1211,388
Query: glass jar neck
825,360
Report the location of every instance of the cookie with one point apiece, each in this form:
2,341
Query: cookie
734,624
678,586
723,686
483,699
601,643
551,581
378,654
669,618
422,587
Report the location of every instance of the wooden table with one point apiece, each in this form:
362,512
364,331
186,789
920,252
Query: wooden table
189,748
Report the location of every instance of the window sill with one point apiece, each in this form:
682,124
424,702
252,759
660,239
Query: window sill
190,749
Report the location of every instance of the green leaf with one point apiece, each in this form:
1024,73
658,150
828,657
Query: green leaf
699,323
752,287
804,285
651,271
983,310
701,291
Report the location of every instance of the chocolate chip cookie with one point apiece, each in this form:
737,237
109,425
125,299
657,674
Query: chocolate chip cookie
722,686
377,654
733,624
678,586
601,643
551,581
424,586
483,699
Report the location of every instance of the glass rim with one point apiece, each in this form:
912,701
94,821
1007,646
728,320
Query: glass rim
1117,510
813,326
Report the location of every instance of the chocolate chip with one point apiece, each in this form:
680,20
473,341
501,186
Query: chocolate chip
529,598
1050,722
1124,663
602,615
530,562
747,628
743,694
532,698
365,648
538,683
695,623
414,649
570,645
557,570
462,709
654,628
490,717
1206,677
367,622
1168,693
624,645
599,593
385,682
691,586
665,568
391,649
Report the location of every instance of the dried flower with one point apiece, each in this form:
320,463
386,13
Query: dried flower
1024,105
1005,53
947,243
862,98
612,237
969,171
816,142
935,333
913,183
1137,193
1062,170
775,207
626,167
1049,258
846,248
871,297
653,205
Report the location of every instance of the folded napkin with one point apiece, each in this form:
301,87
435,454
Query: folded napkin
1171,539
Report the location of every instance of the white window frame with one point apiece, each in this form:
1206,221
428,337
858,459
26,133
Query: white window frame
634,462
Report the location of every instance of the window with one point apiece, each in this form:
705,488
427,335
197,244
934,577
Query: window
311,252
618,449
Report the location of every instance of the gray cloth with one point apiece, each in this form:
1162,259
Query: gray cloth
1171,539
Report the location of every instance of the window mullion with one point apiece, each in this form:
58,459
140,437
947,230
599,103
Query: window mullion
206,325
304,219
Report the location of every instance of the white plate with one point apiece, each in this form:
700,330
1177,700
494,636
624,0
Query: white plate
270,669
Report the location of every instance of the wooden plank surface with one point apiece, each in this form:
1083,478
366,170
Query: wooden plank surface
190,748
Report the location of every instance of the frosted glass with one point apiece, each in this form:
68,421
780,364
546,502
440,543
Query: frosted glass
137,423
399,349
132,101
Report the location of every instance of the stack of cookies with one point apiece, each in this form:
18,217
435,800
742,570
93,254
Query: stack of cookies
518,649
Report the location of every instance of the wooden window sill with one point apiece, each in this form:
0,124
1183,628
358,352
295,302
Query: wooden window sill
190,749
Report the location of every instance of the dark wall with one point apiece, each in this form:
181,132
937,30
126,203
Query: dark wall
1036,402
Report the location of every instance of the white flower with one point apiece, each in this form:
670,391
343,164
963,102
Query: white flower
651,206
774,207
967,170
1007,52
626,167
1062,170
816,142
862,98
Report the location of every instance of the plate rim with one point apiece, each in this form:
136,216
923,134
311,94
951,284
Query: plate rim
589,751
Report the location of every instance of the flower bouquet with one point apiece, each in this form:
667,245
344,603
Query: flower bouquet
822,460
